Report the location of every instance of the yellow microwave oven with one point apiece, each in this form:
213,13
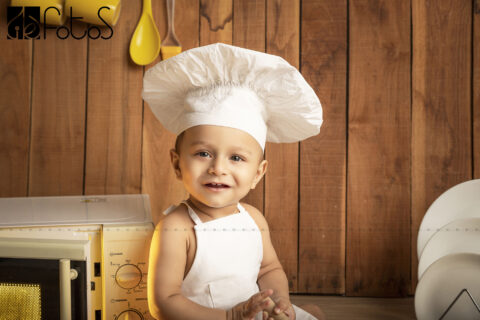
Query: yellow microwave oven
75,257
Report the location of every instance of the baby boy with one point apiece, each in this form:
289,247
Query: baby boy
211,256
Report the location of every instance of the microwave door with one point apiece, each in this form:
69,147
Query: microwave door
43,280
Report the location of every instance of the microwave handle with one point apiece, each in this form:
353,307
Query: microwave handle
66,276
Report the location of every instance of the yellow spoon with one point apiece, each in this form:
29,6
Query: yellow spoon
145,43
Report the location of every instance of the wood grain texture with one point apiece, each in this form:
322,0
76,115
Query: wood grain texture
323,157
476,90
249,24
281,180
58,115
15,75
114,110
158,178
441,110
378,185
249,32
216,21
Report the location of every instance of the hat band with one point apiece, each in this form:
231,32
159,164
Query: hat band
238,108
250,124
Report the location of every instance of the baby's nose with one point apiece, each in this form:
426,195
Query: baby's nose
218,167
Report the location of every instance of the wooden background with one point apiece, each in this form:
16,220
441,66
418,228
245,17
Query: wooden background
399,81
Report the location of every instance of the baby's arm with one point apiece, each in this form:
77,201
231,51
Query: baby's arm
271,274
168,256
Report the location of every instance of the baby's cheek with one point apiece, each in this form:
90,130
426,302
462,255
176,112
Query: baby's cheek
247,177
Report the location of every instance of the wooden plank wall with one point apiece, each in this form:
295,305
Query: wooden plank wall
322,196
441,103
15,97
378,188
114,112
399,82
57,125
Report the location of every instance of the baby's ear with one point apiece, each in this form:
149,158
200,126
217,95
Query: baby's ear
262,168
175,160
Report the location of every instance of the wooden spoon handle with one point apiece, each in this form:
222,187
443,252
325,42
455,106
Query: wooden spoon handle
170,14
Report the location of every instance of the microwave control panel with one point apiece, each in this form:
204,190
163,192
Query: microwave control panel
125,267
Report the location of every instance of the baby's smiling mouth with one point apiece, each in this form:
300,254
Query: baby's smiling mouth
216,185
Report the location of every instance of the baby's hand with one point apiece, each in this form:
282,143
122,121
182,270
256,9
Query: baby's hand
248,309
281,309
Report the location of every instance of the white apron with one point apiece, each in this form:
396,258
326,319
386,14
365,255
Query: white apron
227,261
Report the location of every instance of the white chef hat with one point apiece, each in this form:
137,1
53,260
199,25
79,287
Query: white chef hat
224,85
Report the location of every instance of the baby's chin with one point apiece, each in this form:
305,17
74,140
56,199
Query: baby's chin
218,204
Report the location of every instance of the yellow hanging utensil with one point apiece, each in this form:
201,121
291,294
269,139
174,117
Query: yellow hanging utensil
171,46
145,43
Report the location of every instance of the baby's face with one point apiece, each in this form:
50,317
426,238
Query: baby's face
218,165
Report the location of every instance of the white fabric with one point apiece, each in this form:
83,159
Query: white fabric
227,261
231,106
224,85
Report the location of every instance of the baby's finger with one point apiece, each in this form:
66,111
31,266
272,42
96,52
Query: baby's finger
262,295
280,307
290,313
254,301
255,308
264,315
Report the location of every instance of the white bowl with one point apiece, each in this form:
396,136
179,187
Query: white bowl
459,236
442,283
459,202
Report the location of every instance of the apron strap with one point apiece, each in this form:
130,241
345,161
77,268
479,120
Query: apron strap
192,213
195,217
169,209
240,207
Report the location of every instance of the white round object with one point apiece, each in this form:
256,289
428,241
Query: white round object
459,236
442,283
459,202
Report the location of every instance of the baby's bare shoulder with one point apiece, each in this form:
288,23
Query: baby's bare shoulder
178,219
256,215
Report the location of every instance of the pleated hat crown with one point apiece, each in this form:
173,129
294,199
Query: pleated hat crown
224,85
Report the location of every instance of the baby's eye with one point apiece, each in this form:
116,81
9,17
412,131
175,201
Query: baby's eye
236,158
203,154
